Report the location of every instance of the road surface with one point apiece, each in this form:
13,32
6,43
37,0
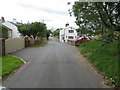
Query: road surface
55,65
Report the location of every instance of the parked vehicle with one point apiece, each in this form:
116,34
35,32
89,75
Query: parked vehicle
81,40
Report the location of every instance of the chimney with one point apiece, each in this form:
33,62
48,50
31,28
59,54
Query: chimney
21,21
3,19
66,24
14,21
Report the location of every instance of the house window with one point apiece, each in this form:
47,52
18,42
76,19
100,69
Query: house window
71,31
70,37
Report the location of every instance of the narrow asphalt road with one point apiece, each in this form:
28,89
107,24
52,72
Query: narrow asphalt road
55,65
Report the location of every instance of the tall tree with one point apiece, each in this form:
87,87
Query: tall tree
38,29
100,17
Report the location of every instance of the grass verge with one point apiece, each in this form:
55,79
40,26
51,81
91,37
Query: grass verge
104,58
42,44
9,64
0,66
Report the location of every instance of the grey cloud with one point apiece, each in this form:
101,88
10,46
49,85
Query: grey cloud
53,11
48,10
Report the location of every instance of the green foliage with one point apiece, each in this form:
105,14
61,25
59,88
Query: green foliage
0,66
24,29
56,32
35,29
98,18
0,31
38,29
90,46
104,59
10,63
3,32
48,33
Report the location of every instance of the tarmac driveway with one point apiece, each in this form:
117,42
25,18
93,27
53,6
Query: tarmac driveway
55,65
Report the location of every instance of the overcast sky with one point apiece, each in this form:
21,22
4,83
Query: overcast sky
53,12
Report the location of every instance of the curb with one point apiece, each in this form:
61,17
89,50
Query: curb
19,58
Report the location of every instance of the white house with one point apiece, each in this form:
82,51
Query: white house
14,30
67,33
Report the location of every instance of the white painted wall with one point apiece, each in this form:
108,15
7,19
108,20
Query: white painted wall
15,32
61,35
64,34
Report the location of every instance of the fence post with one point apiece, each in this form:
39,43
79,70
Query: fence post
26,42
2,47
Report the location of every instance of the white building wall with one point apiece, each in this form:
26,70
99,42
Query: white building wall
61,35
67,34
15,32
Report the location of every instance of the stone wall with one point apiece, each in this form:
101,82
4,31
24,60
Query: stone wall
32,42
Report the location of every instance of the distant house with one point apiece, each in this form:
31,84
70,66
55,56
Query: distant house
67,33
16,23
12,29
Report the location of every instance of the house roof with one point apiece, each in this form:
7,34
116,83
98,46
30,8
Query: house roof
9,25
17,23
69,27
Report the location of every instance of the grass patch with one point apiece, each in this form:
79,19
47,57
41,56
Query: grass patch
42,44
9,63
0,66
90,46
105,59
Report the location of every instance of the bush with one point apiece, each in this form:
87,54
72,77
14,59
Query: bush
4,32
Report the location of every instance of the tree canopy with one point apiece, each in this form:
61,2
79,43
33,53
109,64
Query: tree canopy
101,18
35,29
56,32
